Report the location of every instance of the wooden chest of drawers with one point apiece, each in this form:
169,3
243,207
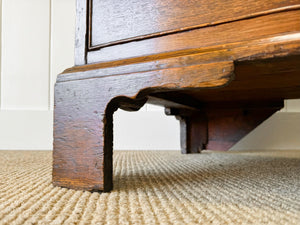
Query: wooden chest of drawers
222,67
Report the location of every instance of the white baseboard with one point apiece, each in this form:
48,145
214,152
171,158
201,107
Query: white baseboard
152,130
155,131
26,130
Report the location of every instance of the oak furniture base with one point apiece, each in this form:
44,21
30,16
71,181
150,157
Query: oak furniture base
220,78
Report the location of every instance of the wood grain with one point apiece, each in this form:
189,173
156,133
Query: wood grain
263,80
115,22
224,69
207,37
220,126
82,157
270,47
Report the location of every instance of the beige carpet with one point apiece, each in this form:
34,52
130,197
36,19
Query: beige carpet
158,188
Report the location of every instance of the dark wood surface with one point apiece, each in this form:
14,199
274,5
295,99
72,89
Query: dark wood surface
222,69
115,22
276,78
206,39
83,117
221,126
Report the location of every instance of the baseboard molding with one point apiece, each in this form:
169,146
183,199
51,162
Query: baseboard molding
152,130
26,130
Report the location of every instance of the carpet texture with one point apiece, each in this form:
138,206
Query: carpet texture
158,187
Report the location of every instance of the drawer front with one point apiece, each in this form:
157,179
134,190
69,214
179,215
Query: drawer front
114,22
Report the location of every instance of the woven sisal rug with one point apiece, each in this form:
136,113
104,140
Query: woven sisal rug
158,187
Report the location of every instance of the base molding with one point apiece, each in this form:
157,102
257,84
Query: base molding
26,129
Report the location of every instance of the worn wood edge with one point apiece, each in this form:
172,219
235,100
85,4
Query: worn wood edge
260,27
184,29
65,183
200,76
80,183
287,44
177,80
137,100
294,36
223,76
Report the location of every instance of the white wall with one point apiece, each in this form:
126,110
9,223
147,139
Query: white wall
37,43
147,129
